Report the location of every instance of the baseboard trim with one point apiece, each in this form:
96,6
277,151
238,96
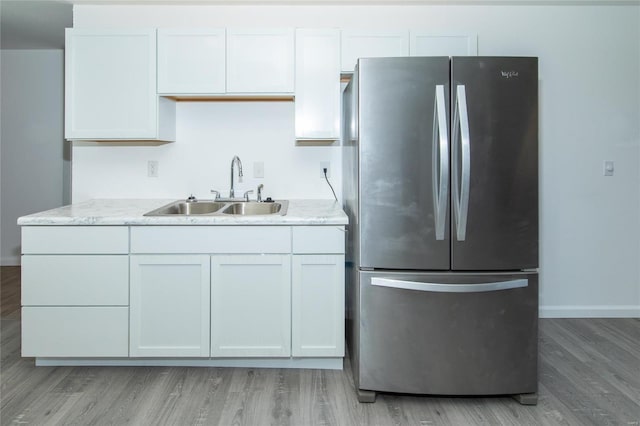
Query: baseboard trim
596,311
10,261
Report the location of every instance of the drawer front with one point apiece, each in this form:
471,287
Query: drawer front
75,331
318,239
75,240
211,239
49,280
449,333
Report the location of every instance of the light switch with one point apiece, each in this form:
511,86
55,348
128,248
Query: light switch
258,169
608,168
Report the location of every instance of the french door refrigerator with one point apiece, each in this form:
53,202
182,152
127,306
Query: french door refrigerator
440,172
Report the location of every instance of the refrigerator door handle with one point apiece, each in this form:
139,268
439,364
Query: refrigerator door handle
440,159
461,131
449,288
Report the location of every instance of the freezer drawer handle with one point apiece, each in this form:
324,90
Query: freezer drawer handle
461,129
440,162
450,288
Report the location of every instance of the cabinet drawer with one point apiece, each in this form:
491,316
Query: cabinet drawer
318,239
210,239
75,240
75,280
75,331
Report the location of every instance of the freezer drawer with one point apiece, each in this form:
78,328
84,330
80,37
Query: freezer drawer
448,334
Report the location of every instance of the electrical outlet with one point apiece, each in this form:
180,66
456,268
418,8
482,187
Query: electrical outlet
152,168
258,169
608,168
325,165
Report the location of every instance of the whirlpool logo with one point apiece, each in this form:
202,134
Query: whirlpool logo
509,74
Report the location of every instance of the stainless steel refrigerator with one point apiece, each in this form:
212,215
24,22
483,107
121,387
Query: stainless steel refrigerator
440,172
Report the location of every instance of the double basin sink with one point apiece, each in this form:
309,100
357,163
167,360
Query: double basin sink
221,208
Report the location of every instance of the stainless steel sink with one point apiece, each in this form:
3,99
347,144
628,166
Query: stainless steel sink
217,208
252,208
184,208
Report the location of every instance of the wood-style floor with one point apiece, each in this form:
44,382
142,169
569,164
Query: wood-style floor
589,375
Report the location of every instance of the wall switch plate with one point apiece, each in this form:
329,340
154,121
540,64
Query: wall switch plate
325,165
152,168
258,169
608,168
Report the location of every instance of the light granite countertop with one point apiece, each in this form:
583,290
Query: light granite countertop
131,212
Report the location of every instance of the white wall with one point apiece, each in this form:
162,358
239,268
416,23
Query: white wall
32,140
589,112
209,134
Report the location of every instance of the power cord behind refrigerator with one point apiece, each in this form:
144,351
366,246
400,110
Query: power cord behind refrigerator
324,169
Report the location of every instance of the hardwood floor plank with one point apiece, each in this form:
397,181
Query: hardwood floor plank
574,382
616,333
285,396
605,355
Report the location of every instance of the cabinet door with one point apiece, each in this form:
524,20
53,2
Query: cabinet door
250,306
429,44
110,84
317,104
317,306
260,61
372,44
169,310
191,61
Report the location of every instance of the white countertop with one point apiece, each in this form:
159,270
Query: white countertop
131,211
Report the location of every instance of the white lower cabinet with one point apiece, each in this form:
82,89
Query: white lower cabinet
271,292
317,306
250,305
75,291
75,331
169,306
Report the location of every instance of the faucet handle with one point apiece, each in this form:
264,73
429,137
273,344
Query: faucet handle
259,197
213,191
246,194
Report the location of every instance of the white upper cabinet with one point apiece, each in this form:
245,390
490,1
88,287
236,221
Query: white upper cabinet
317,102
430,44
260,60
191,61
372,44
110,86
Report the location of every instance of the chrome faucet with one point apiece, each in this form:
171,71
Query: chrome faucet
236,160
